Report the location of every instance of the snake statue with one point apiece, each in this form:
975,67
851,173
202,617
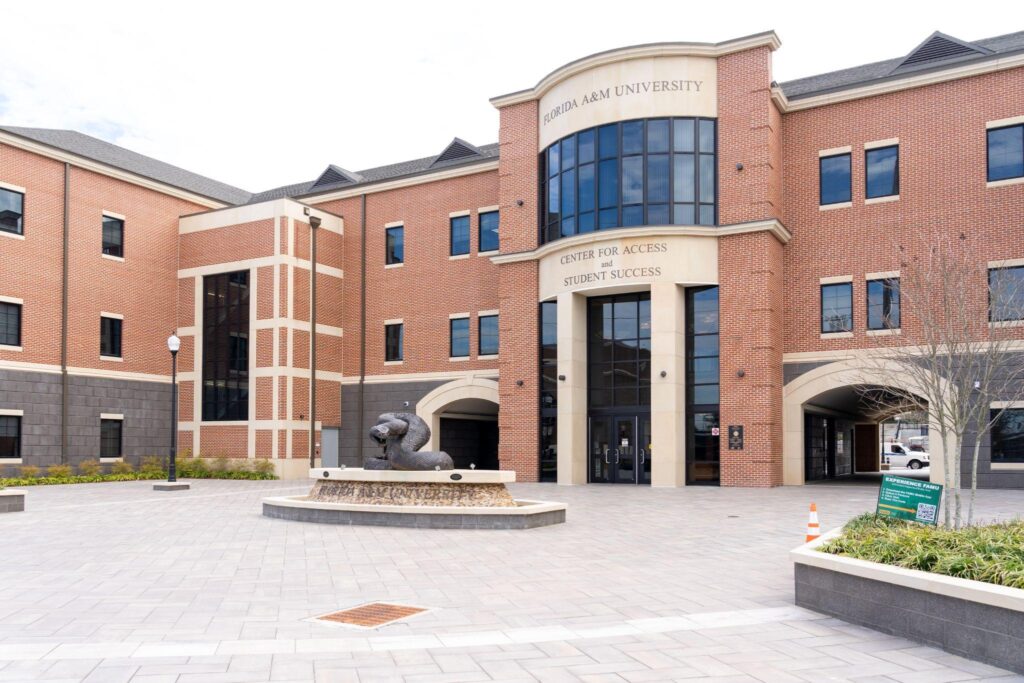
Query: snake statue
400,436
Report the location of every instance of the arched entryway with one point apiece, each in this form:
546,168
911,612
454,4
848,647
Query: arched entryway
463,419
824,411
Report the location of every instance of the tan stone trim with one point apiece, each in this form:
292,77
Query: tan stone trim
1007,466
887,332
834,151
490,252
458,359
111,359
12,412
459,214
394,321
623,54
256,263
882,275
838,205
488,209
882,200
488,356
394,224
771,225
786,105
115,316
422,376
117,374
189,331
103,169
13,188
421,179
11,235
458,316
877,144
261,211
1002,405
835,280
837,335
392,266
458,257
12,300
1000,324
8,347
109,257
869,352
493,311
111,214
1006,263
112,416
1003,123
1001,183
393,362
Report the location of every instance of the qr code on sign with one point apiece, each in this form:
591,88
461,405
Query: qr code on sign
925,512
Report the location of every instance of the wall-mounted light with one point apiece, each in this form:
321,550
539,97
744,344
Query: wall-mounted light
664,374
405,404
741,373
519,202
561,378
739,166
519,382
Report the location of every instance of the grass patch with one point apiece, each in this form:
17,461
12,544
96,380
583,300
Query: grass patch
993,553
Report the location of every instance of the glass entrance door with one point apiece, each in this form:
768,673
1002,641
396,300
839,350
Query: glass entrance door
620,449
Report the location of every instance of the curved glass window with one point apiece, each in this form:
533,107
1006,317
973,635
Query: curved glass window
620,175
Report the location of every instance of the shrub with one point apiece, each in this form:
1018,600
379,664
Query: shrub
122,467
989,553
151,466
88,468
262,466
194,468
29,472
59,471
220,463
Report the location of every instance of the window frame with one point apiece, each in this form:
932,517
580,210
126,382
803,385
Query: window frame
994,432
21,321
988,159
849,180
21,218
17,419
108,337
451,337
221,373
992,319
389,258
896,172
480,335
104,248
104,422
388,327
480,231
821,306
887,297
451,235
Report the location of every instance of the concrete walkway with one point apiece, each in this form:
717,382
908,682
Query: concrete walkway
115,582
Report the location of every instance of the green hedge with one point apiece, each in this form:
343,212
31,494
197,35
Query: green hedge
992,553
150,468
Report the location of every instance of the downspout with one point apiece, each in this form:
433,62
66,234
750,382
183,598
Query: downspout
362,326
64,322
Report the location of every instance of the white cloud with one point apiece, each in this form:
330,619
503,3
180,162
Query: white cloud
261,94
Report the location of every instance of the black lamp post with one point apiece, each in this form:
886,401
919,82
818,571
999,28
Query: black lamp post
314,223
173,344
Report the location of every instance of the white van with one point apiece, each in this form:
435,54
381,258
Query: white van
897,455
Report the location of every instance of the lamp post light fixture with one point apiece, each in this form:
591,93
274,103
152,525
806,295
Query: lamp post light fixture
314,223
172,483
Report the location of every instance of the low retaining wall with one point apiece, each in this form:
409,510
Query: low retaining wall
972,619
12,500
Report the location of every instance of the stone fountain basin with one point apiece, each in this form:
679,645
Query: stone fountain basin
439,499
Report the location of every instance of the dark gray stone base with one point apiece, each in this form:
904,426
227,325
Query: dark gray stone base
168,486
413,519
12,502
993,635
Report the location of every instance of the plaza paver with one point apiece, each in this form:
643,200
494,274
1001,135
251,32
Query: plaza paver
116,582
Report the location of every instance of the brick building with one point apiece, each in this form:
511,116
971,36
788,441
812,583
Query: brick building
663,240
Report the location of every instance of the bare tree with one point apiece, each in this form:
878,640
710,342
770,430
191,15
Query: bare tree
953,351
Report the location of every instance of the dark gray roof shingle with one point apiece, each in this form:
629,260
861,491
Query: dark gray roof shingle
95,149
880,71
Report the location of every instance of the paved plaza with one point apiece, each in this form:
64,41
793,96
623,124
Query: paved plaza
116,582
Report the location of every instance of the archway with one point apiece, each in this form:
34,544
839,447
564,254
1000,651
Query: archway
463,419
831,390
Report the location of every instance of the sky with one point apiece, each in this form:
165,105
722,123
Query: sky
259,94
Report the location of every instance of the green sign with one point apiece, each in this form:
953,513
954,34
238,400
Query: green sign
912,499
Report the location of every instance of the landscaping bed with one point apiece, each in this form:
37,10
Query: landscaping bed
959,590
150,468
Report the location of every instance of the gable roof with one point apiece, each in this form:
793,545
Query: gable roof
335,175
110,154
456,150
931,55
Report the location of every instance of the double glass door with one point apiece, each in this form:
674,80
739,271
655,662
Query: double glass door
620,449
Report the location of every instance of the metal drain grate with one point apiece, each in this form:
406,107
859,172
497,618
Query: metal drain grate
372,615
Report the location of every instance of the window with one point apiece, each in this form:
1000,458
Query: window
460,235
12,211
393,338
488,335
882,174
702,385
395,245
1007,436
113,236
884,304
549,391
459,337
834,177
226,346
619,351
10,436
110,438
110,337
1006,153
1006,294
644,172
489,231
837,308
10,324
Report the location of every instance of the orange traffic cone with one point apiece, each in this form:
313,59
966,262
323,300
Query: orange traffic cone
813,530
